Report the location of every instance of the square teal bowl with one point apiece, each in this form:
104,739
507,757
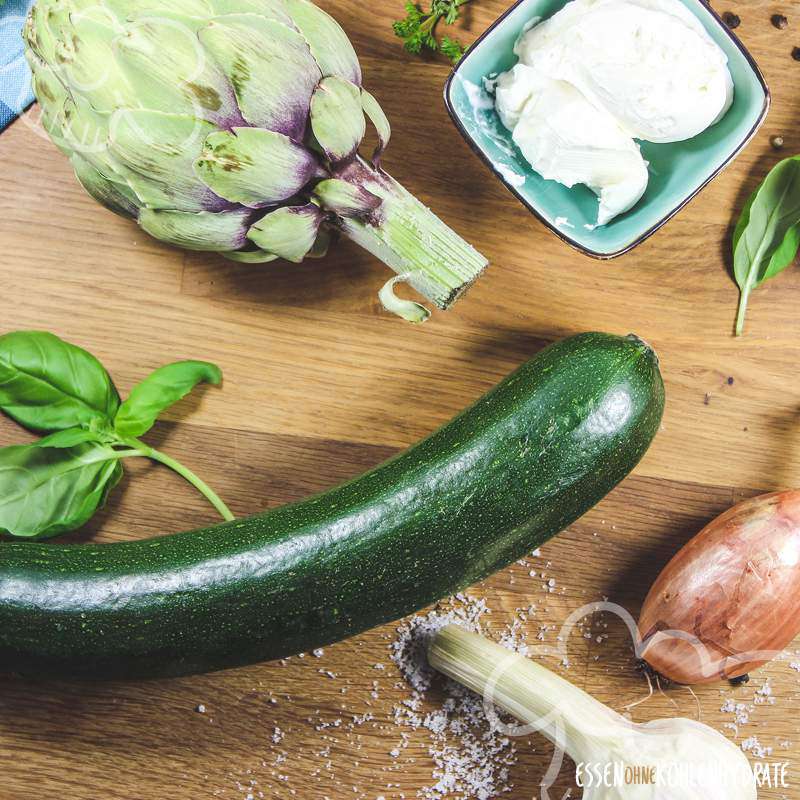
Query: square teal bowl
678,171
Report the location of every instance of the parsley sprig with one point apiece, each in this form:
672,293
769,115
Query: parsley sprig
418,28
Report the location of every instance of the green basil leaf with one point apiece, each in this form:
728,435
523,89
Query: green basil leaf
159,391
47,384
68,438
785,254
46,491
744,220
765,240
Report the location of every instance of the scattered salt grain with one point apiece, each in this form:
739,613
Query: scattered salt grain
741,714
471,758
542,631
411,645
752,745
764,694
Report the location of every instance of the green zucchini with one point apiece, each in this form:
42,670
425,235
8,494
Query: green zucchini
504,476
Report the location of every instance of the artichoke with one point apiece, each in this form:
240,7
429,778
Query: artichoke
234,126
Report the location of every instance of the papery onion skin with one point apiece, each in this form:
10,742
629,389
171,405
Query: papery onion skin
733,591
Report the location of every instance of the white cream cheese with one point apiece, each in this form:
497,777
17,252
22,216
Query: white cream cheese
601,73
567,139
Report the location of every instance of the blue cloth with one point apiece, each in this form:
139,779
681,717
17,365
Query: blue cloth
15,77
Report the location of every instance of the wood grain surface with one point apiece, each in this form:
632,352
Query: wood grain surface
320,384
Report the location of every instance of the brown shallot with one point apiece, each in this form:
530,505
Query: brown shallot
729,601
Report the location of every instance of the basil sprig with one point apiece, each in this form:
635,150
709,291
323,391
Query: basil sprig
158,391
767,235
51,386
47,384
47,491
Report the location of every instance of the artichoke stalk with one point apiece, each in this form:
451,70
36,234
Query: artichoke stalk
234,126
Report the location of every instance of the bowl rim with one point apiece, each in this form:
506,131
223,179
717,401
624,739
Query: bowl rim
565,237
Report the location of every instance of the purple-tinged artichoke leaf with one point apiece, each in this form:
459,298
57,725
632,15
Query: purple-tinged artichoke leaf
133,9
115,196
321,244
197,231
39,36
373,110
160,150
47,85
270,67
85,132
52,99
69,7
250,256
346,199
95,75
289,232
254,167
169,70
337,118
53,121
271,9
75,10
59,17
329,44
59,20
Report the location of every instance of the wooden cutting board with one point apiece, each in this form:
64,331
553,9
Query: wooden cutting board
320,384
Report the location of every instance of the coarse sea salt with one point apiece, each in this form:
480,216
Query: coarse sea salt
752,745
471,758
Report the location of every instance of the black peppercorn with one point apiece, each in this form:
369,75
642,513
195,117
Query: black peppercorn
731,20
796,54
780,22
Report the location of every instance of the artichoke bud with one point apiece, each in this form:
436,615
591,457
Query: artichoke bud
232,126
